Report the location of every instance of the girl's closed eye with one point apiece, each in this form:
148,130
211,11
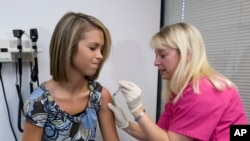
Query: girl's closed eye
92,48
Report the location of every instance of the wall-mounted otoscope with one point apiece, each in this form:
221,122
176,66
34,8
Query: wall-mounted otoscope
18,34
34,70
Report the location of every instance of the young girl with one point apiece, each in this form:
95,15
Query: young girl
68,106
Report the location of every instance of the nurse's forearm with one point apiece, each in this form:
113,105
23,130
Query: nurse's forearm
134,130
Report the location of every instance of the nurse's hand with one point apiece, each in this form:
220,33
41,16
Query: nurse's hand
120,118
132,93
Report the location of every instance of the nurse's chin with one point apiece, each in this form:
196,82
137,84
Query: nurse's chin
165,77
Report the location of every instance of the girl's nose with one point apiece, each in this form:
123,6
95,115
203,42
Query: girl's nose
99,55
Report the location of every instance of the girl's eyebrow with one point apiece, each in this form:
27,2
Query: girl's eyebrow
94,43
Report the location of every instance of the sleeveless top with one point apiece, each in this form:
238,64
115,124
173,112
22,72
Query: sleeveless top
41,110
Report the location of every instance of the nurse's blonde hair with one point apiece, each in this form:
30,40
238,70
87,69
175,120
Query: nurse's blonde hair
193,62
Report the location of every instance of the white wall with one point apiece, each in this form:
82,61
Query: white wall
131,23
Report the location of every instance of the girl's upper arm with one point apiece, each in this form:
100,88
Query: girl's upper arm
106,118
32,132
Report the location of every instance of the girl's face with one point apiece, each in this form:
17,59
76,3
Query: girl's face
167,60
88,57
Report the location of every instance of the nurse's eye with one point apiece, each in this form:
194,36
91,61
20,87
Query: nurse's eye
163,55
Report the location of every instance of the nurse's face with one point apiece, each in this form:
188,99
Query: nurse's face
167,60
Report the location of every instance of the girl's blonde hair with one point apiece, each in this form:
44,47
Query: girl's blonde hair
193,62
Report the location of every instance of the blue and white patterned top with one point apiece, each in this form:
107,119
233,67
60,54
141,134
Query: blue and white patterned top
40,109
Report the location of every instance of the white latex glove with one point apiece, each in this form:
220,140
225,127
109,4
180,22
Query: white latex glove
132,93
120,118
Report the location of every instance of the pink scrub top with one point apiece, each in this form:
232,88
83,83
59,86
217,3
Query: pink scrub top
206,116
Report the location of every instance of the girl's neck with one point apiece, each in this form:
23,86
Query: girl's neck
72,86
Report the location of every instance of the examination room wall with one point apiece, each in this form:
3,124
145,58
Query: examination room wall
131,23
